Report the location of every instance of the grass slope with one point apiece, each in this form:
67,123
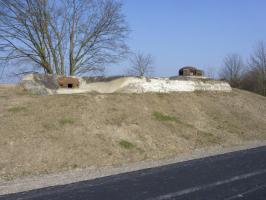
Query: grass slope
53,133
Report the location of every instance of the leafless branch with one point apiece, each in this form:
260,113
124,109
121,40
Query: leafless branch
232,70
141,65
257,66
60,35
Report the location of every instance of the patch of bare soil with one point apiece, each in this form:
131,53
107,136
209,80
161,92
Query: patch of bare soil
46,134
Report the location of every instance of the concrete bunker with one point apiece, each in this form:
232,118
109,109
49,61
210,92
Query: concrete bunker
190,71
68,82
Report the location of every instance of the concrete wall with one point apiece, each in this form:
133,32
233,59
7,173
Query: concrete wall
37,85
143,85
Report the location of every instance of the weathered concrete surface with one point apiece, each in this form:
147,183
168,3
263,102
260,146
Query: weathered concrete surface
144,85
38,85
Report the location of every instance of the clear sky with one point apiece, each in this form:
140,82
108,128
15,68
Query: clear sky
193,32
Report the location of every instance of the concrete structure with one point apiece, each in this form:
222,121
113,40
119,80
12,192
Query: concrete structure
190,71
68,82
129,85
146,85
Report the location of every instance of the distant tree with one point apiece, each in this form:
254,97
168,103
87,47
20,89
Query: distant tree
257,67
249,81
62,36
210,72
141,65
232,69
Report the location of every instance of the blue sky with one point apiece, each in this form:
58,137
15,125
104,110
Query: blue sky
193,32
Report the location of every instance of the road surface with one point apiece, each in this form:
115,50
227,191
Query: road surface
232,176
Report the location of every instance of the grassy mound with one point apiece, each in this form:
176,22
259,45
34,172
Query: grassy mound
45,134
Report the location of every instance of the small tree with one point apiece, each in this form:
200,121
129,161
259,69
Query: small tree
232,70
141,65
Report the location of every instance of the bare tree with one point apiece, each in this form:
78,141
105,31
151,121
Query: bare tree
210,72
232,70
258,67
249,81
77,36
141,65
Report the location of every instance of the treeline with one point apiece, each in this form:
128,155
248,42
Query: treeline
250,75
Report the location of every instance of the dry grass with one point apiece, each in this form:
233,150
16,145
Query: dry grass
53,133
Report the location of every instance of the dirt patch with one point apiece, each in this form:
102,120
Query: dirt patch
47,134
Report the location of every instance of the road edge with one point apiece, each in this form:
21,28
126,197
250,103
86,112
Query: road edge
77,175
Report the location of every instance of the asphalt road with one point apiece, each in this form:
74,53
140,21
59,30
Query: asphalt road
232,176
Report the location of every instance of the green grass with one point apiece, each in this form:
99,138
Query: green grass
66,120
126,144
161,117
16,109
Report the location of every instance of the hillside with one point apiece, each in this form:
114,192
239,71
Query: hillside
45,134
